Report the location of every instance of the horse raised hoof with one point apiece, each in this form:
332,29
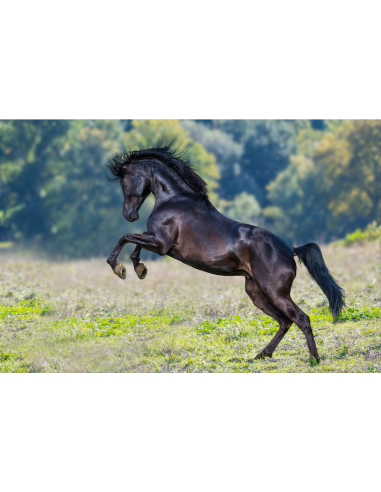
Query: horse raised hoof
120,271
141,271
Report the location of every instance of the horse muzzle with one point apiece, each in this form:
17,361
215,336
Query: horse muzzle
131,216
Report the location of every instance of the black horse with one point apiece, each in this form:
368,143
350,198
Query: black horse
186,226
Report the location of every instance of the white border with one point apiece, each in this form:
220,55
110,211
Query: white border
196,60
209,59
190,432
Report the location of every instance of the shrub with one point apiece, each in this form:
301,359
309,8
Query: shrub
371,233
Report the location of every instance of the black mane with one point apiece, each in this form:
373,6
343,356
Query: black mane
167,154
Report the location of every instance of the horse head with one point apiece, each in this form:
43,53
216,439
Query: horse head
136,188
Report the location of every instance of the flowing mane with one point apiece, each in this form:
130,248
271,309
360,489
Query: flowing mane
168,155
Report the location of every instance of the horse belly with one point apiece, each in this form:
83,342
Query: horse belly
227,264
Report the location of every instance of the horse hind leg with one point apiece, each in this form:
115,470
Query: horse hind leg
281,299
301,319
260,300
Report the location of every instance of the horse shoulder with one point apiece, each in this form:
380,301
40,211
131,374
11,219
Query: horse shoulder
163,224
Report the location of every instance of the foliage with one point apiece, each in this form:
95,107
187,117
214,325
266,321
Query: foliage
371,233
227,152
350,160
250,153
244,208
267,147
294,213
54,195
305,181
29,151
82,209
331,187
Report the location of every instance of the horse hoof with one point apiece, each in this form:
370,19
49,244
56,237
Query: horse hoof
120,271
262,355
141,271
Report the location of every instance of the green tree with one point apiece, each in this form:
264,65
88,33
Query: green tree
350,158
83,209
266,149
332,187
54,193
227,151
245,208
28,151
305,182
298,210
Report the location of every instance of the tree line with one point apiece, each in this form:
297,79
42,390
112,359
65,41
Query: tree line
304,180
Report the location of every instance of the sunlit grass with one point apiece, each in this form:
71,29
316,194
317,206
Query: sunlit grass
79,317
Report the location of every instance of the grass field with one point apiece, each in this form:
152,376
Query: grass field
79,317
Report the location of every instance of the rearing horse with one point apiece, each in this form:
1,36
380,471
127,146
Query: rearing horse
186,226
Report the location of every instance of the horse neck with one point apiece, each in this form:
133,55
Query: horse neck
166,183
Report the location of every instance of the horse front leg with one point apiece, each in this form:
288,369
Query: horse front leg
145,240
118,269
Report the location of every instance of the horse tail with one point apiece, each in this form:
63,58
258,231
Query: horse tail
310,255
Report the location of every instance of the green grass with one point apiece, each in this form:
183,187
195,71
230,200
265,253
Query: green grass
167,342
79,317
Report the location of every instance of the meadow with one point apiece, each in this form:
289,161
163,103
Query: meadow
77,316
